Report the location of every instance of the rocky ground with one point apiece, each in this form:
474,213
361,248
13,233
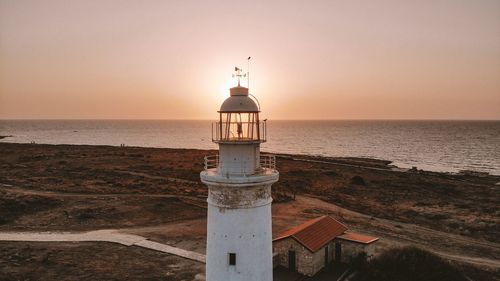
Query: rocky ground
91,261
156,193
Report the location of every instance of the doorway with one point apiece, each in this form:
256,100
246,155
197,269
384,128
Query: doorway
326,256
338,252
291,260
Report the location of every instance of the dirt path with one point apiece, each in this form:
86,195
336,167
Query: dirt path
26,191
106,235
285,215
170,179
191,200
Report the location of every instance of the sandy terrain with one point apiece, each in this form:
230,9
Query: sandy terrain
156,193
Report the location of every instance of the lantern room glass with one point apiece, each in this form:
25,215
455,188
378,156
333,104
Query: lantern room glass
238,126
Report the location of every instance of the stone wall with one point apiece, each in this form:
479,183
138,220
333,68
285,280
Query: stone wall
303,257
307,263
318,261
351,249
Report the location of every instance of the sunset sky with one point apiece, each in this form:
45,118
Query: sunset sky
310,59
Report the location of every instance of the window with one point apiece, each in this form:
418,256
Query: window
239,126
232,259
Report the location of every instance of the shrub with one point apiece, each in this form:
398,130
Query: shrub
411,264
358,180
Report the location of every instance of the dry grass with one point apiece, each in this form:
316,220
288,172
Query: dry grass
410,264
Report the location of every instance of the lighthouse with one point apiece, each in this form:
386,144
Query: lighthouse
239,179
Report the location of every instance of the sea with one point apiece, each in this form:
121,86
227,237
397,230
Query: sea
442,146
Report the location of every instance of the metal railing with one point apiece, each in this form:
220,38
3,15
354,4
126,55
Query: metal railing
239,131
211,161
266,161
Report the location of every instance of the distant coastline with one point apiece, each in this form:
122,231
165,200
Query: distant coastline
353,162
440,146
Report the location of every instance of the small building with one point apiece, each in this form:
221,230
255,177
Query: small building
311,246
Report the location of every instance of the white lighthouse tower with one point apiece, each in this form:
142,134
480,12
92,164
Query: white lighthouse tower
239,179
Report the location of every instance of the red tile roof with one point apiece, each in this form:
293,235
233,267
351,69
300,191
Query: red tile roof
315,233
356,237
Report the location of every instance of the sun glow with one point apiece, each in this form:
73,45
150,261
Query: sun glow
230,82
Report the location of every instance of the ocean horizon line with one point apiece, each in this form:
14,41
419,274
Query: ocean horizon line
438,145
298,120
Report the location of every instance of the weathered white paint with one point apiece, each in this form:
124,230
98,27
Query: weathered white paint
247,232
239,221
239,207
238,159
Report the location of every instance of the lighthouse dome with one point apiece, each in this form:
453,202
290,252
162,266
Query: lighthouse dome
239,101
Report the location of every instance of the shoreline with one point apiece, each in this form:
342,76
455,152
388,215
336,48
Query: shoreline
390,164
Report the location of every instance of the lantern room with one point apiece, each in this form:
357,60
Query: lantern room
239,119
